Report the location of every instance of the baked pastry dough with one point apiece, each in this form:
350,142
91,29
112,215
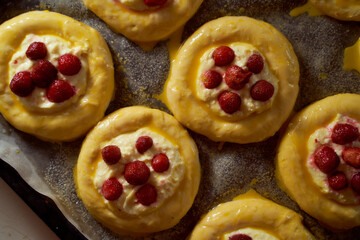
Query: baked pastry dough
142,23
318,160
91,85
250,216
199,108
173,187
347,10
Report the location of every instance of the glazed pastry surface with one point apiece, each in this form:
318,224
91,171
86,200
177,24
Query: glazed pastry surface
141,23
93,85
175,187
346,10
198,107
253,216
307,176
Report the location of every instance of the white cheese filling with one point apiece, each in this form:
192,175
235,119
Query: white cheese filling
165,183
255,234
248,106
56,47
322,137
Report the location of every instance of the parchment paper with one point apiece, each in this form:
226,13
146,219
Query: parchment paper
227,171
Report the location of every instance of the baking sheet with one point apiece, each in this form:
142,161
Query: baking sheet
227,170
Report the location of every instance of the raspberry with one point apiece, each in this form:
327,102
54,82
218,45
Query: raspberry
262,91
229,102
236,77
60,91
344,133
111,189
146,195
155,3
326,159
337,181
211,79
255,63
137,173
69,64
240,236
111,154
160,163
143,143
21,84
36,50
223,56
355,183
43,73
351,156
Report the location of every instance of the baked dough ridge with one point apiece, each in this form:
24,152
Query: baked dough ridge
174,208
291,172
73,121
194,114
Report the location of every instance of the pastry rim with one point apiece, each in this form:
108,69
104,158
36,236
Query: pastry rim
305,192
79,117
144,26
249,205
330,8
184,104
126,120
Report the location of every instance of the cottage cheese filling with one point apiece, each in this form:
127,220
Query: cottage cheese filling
165,183
255,234
321,137
248,106
56,46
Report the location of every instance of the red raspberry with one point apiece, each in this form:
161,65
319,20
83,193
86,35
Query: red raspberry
155,3
337,181
160,163
255,63
137,173
344,133
240,236
355,183
262,91
223,56
43,73
143,144
229,102
69,64
146,195
211,79
21,84
111,189
60,91
111,154
36,50
236,77
351,156
326,159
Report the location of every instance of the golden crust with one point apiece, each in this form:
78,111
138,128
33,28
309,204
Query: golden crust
346,10
283,63
251,210
148,25
291,169
174,208
74,120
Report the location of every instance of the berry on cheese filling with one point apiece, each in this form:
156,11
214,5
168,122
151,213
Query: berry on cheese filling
138,171
142,5
249,234
235,80
48,73
334,159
